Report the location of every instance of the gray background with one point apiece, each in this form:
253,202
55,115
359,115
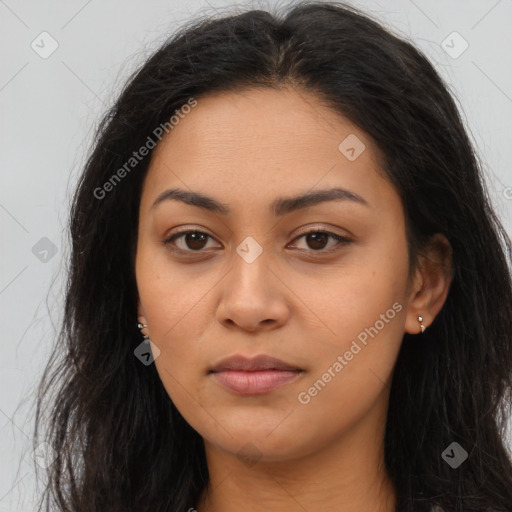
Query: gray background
49,107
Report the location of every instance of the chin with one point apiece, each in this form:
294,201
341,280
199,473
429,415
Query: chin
254,445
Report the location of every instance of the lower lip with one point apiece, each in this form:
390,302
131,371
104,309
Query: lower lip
255,382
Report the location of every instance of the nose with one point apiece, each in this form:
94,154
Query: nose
253,297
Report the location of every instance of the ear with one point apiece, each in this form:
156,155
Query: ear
430,284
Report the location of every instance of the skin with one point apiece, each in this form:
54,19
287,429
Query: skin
294,302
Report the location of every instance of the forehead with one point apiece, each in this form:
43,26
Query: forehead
243,146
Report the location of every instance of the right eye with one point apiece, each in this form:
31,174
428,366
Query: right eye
193,240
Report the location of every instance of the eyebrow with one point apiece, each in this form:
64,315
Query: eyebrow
280,206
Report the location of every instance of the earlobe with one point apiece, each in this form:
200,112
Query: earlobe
416,323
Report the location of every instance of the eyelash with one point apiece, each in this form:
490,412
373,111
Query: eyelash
342,241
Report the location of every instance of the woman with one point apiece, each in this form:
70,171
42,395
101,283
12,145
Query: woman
288,289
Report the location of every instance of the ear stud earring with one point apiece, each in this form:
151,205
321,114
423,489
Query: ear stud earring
143,326
420,320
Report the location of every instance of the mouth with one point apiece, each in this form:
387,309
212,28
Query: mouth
259,375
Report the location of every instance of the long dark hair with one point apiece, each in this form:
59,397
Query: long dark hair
121,444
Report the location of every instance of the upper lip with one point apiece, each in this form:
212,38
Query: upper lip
262,362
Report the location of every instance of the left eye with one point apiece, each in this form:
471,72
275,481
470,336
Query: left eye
195,240
317,239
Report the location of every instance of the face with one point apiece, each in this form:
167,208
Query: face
320,284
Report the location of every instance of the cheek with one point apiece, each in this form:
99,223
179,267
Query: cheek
172,306
355,294
171,295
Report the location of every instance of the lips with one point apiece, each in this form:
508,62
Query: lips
255,376
259,363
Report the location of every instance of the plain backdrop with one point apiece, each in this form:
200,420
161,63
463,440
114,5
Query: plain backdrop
62,64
